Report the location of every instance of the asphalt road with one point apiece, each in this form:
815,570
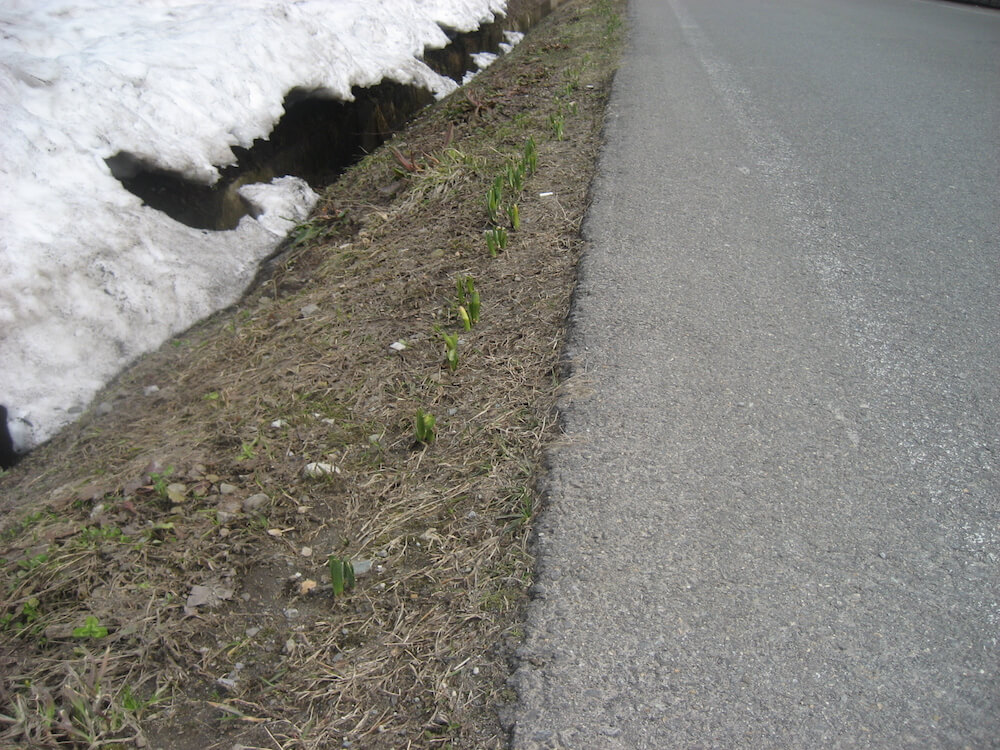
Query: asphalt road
775,519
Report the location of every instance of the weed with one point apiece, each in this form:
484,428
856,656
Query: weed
161,480
91,628
247,451
306,232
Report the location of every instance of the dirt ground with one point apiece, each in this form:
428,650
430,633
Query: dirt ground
166,561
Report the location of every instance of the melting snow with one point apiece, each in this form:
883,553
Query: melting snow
89,277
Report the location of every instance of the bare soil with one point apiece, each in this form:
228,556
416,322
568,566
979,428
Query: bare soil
164,560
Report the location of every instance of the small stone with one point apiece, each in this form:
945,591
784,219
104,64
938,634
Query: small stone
291,613
308,310
227,510
176,492
226,489
316,469
398,346
105,407
255,502
306,552
383,553
279,423
227,683
149,390
252,631
306,586
362,567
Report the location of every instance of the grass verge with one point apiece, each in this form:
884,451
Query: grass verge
165,562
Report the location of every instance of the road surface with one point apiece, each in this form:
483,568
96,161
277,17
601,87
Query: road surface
775,518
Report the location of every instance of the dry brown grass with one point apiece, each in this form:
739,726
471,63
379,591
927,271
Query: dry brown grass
302,371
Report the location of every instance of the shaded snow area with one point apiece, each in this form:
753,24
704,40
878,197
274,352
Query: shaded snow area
90,278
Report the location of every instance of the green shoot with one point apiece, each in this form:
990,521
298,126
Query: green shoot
496,239
530,159
474,306
558,123
514,214
423,426
341,574
450,349
515,177
493,199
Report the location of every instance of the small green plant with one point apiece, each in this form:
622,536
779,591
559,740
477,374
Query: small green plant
304,233
514,214
572,81
530,158
91,628
558,123
515,177
423,427
474,306
161,480
341,574
496,239
464,286
464,316
247,451
468,301
136,705
450,349
494,197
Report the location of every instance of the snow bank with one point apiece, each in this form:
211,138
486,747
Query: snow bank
89,277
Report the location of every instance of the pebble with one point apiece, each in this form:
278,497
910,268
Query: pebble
362,567
316,469
149,390
309,310
255,502
226,489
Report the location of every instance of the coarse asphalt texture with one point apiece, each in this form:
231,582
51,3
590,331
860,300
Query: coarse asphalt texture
774,519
